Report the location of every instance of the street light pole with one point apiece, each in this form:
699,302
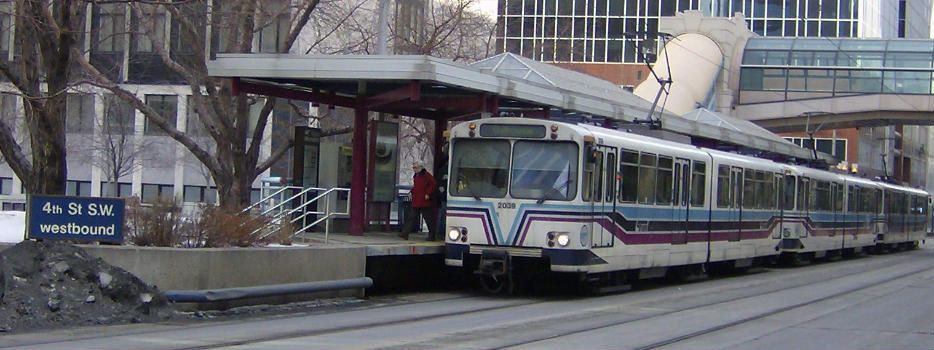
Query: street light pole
383,31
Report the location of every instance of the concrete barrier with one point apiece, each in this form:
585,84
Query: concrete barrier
215,268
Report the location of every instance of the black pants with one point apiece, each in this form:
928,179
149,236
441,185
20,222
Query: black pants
413,221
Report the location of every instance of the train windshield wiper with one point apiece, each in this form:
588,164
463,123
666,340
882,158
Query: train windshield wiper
553,190
473,193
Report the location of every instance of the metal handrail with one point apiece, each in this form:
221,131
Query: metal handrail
269,197
305,203
279,206
327,212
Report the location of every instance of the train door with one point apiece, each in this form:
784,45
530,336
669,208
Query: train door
787,200
736,207
603,234
835,208
777,184
680,199
600,209
854,222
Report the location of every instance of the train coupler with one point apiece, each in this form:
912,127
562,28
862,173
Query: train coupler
493,263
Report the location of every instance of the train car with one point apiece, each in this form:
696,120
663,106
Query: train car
528,194
831,214
532,196
914,216
905,218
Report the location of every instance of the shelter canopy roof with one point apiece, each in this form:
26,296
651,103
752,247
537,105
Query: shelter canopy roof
434,88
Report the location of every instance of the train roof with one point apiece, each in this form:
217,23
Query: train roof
718,155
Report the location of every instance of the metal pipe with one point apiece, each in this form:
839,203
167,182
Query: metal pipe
212,295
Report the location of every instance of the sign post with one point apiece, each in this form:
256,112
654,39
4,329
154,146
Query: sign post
77,218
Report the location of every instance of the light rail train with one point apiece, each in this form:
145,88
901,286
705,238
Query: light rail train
529,196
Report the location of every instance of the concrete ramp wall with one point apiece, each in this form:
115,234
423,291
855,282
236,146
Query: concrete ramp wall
211,268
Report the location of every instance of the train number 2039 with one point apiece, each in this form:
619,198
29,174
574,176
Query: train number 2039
505,205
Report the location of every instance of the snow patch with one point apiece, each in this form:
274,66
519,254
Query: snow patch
12,226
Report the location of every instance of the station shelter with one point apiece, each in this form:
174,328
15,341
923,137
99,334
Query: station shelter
444,91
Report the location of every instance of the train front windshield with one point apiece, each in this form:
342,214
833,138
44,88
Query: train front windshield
539,170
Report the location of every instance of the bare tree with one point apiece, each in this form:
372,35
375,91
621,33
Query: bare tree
238,26
449,29
114,149
452,29
46,34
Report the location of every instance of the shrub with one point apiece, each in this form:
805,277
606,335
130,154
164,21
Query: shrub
155,225
224,227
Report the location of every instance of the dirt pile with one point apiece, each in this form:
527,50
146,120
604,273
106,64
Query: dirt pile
53,284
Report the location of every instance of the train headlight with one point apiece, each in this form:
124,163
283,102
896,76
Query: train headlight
457,233
563,239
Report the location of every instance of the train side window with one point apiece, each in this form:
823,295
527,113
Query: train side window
629,169
749,189
767,194
723,186
647,178
880,198
852,199
838,197
789,200
821,196
665,183
865,199
610,176
587,176
698,182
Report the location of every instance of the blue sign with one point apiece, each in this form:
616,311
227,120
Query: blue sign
78,218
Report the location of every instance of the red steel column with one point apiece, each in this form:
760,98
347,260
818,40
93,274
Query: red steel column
358,177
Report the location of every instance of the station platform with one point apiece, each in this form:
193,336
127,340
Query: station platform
376,243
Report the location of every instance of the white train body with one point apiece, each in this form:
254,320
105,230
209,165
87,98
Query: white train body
586,199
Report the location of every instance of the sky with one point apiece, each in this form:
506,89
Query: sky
488,7
12,226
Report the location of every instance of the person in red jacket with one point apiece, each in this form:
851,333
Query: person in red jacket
423,205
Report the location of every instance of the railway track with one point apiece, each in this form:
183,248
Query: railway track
635,320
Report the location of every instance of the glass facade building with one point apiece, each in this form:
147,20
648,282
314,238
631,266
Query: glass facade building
594,31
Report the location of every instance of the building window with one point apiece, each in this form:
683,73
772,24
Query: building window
13,206
6,185
167,107
6,27
111,20
124,189
149,28
78,188
255,195
831,146
901,18
200,194
156,192
119,116
193,125
188,21
274,35
79,113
